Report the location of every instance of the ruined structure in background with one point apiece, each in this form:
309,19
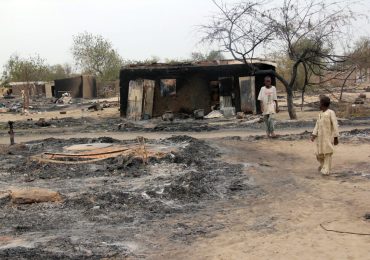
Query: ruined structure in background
49,89
84,86
34,88
78,87
151,90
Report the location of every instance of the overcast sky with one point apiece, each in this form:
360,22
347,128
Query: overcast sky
138,29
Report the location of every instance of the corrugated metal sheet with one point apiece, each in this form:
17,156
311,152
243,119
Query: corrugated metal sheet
148,97
135,100
247,94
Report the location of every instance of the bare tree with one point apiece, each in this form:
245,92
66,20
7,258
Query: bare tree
354,70
307,31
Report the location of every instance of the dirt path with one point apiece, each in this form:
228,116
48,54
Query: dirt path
159,135
285,223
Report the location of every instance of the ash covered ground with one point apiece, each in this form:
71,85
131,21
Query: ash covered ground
113,208
91,124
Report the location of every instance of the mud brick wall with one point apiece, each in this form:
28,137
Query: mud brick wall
89,89
191,93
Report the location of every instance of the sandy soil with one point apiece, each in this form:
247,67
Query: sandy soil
285,223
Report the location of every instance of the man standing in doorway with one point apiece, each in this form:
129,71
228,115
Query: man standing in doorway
269,105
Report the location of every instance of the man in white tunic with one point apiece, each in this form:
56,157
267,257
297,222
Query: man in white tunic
326,135
269,105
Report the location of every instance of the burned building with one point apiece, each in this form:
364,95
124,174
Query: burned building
151,90
78,87
34,88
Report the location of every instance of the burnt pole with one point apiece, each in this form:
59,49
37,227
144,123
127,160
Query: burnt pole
11,132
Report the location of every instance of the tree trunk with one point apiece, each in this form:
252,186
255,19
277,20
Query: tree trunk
344,83
305,83
289,92
291,109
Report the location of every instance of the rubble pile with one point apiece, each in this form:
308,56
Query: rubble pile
356,135
11,106
65,99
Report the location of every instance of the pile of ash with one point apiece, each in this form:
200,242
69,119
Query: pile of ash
111,200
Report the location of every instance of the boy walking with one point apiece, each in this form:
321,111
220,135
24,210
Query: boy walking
326,134
269,105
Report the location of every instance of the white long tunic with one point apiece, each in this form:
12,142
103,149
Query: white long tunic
326,129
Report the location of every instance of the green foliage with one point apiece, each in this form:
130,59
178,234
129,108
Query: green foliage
195,56
215,55
33,68
151,60
95,55
210,56
25,69
198,56
176,61
60,71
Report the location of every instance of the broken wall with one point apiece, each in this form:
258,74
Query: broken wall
17,90
77,87
33,89
49,89
89,89
73,86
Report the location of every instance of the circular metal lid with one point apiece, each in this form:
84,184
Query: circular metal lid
87,147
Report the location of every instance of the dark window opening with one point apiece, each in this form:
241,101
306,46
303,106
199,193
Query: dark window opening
168,87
